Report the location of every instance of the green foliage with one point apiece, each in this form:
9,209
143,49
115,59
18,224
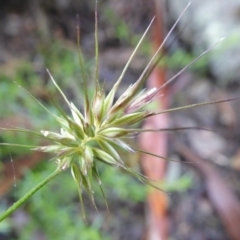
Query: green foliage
5,226
123,32
179,185
119,185
54,211
180,58
62,59
12,98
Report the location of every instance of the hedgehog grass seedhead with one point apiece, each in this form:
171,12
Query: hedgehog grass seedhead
98,134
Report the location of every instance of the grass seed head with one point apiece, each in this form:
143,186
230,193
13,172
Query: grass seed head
98,134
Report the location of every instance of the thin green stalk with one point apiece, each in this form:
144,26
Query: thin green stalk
22,200
96,48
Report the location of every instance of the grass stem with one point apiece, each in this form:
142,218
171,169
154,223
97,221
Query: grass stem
22,200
